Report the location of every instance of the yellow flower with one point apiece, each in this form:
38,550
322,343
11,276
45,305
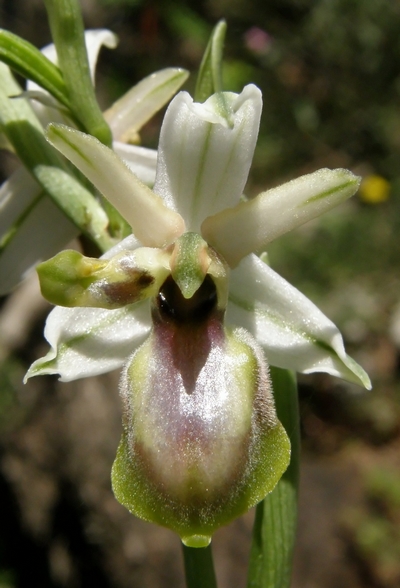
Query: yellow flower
374,189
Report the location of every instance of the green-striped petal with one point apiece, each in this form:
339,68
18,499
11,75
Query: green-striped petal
293,331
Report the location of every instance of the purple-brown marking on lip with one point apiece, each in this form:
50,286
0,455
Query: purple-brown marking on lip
129,290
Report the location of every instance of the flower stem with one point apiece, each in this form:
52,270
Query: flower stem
66,24
276,516
199,567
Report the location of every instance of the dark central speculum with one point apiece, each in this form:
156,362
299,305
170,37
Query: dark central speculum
173,306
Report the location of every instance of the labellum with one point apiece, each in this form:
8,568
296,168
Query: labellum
201,441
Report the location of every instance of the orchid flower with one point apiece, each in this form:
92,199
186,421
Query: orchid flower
26,212
193,314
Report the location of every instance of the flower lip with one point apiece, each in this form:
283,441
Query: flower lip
201,442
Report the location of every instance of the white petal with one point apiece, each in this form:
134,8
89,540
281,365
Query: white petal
140,103
41,235
16,195
152,222
45,113
32,228
293,331
140,160
205,152
251,225
91,341
95,39
47,108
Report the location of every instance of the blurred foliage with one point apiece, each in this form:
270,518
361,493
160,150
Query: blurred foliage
375,529
383,487
6,579
12,409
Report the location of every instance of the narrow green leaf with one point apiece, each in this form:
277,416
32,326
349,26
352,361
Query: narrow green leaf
199,567
67,29
29,62
209,79
23,130
276,516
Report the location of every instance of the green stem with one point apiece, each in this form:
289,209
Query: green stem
199,567
67,30
276,516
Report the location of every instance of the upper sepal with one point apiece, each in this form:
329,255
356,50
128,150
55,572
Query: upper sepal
205,152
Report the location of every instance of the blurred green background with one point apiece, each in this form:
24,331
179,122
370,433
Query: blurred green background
329,71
